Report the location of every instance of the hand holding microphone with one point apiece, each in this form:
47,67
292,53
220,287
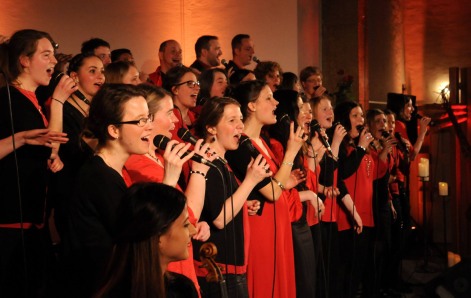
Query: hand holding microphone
365,137
161,141
65,86
184,134
315,126
424,122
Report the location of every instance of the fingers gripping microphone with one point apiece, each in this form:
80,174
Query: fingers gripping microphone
255,59
161,141
360,129
77,93
317,128
184,134
431,124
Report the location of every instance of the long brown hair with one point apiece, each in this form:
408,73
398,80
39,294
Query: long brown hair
148,211
21,43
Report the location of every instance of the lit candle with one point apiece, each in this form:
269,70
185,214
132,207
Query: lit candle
451,259
424,167
443,188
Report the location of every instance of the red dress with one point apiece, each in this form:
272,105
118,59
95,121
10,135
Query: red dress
267,234
141,169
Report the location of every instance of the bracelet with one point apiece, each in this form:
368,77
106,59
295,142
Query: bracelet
199,173
57,100
279,183
361,147
288,163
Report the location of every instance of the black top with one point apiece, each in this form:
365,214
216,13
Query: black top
232,236
32,163
238,160
73,154
232,65
199,66
93,211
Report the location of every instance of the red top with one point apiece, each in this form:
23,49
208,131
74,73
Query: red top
400,156
140,168
360,188
264,231
32,97
311,183
402,129
295,205
155,78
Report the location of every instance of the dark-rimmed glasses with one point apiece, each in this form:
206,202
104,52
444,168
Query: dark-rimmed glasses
141,122
190,84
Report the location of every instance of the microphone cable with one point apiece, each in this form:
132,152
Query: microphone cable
226,261
274,237
229,178
329,232
376,228
355,151
18,184
321,244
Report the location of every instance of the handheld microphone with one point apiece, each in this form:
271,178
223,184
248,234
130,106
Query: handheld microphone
385,134
255,59
184,134
77,93
245,141
431,124
316,127
360,129
285,118
224,62
161,141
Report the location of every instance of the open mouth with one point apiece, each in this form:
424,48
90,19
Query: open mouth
50,71
145,139
194,96
98,84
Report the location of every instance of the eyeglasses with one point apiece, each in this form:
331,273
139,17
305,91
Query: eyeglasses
190,84
141,122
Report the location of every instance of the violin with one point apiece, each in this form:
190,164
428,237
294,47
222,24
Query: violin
208,253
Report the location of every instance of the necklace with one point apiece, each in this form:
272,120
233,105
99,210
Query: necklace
154,158
77,104
368,165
